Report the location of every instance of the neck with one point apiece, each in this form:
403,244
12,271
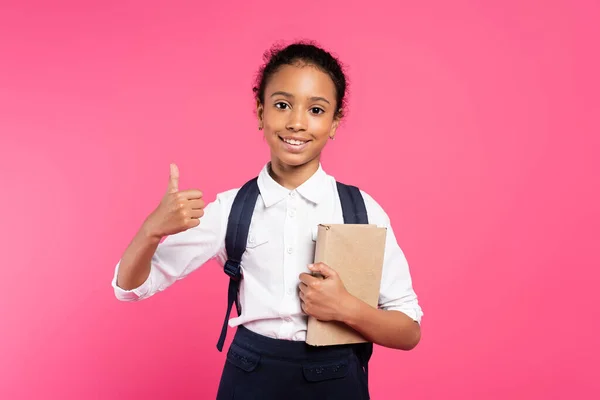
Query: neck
292,176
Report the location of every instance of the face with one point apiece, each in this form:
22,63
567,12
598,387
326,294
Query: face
298,115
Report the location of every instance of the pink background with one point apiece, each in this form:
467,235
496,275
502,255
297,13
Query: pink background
476,127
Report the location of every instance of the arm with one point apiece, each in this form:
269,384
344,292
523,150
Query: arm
134,268
389,328
327,300
147,265
396,323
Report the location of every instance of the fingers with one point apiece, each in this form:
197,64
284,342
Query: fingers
196,204
173,179
303,288
196,213
307,279
194,222
192,194
323,269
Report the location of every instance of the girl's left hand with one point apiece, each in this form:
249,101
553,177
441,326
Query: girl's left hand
323,298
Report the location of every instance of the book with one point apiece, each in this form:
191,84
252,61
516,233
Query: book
355,252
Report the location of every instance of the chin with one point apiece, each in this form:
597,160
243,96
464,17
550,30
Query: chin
294,160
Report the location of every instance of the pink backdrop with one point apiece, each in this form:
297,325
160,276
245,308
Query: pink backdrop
476,127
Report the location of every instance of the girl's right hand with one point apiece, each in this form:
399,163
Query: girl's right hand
177,211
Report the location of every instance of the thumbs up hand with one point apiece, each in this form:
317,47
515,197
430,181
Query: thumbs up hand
177,211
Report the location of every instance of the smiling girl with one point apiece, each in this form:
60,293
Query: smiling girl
300,101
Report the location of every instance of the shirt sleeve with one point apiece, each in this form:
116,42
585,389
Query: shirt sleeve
179,255
396,291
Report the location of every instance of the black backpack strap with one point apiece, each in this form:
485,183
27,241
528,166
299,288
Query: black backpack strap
238,226
355,212
353,204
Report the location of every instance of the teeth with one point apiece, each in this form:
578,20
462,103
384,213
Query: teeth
294,142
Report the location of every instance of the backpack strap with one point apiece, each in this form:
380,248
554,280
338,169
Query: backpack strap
353,204
238,226
355,212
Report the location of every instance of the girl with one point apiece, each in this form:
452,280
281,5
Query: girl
300,100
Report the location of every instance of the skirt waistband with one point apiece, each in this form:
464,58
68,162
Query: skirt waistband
287,349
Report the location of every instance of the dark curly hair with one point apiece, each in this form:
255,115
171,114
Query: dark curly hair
302,52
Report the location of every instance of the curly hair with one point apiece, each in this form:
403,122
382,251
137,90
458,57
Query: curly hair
309,54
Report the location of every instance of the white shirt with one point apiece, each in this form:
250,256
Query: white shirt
281,244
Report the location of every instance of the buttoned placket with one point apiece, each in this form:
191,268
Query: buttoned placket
289,240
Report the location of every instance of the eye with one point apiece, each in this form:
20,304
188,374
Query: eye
317,110
281,105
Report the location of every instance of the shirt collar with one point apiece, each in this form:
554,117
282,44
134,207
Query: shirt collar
272,192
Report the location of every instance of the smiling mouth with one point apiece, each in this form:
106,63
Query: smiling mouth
294,142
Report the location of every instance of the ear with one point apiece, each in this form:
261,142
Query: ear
334,126
259,113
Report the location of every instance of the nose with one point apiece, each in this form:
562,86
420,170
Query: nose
297,121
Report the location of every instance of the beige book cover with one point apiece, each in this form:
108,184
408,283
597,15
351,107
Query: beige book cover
356,252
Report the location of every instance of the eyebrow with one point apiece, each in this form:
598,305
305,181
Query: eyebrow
289,95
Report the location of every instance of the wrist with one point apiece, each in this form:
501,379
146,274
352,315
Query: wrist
349,310
149,233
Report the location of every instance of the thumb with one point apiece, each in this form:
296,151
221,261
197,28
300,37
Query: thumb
323,269
174,179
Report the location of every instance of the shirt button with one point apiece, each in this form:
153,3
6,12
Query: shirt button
290,291
292,194
287,319
290,250
292,213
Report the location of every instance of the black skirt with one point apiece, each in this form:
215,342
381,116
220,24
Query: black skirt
259,367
